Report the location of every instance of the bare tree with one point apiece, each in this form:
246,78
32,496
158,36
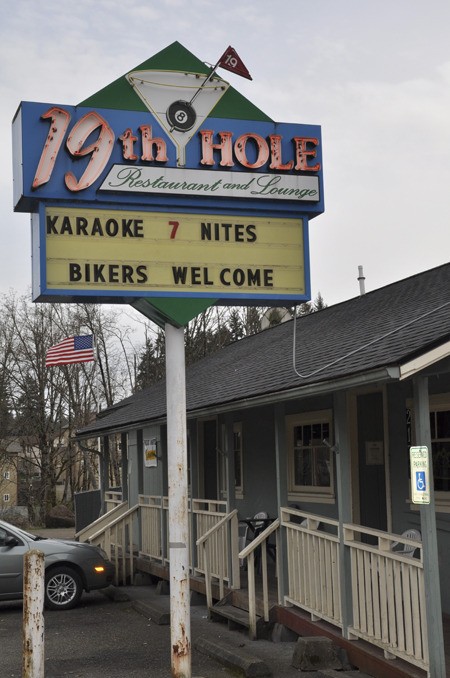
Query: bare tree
45,406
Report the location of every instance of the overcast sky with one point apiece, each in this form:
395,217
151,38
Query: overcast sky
375,74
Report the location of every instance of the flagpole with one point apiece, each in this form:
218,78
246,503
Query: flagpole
97,398
237,67
208,77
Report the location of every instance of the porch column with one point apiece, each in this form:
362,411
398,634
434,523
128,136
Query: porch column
344,502
282,495
104,472
226,425
124,465
433,603
192,428
195,464
227,421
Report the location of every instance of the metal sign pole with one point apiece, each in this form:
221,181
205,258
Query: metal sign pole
33,660
180,622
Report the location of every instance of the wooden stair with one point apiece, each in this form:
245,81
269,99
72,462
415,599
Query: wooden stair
237,617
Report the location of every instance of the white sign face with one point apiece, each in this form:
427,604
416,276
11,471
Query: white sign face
141,179
420,475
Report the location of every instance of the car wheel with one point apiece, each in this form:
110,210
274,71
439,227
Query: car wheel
63,588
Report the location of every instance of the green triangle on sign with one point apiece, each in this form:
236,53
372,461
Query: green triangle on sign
177,312
120,95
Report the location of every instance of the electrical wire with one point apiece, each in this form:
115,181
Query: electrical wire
360,348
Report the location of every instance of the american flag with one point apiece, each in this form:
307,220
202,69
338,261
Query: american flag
71,350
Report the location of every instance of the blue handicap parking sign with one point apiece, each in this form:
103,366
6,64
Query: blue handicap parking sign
421,485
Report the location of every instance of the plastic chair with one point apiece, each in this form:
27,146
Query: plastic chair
243,531
259,526
407,550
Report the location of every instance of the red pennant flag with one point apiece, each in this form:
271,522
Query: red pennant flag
231,61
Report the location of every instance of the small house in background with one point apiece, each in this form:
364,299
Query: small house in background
8,475
311,422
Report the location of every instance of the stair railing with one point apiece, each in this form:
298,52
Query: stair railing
112,498
86,532
214,547
117,540
256,556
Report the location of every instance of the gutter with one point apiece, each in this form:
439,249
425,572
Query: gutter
425,360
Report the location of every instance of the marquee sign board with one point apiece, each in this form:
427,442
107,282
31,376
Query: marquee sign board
137,253
167,143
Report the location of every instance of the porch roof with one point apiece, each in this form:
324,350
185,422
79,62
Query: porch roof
368,337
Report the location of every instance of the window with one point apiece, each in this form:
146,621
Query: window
6,475
440,445
6,497
310,462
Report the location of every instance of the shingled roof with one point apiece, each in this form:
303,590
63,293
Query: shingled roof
377,331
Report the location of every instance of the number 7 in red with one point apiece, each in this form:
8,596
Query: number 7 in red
174,225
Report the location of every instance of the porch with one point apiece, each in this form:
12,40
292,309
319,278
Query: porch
306,587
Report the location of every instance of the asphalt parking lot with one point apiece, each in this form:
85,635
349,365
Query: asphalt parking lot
97,639
105,638
108,638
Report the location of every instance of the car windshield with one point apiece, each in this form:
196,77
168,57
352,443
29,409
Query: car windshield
28,535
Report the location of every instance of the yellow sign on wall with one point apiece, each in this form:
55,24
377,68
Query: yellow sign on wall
159,252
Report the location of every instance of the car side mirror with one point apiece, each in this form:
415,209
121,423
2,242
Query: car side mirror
11,541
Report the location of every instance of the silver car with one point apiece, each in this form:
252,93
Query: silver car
70,567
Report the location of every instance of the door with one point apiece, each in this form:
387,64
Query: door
372,471
208,446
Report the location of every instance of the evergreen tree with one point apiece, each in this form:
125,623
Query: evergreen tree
151,367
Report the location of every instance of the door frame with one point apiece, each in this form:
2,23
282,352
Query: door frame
353,429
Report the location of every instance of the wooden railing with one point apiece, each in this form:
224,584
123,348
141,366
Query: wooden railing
387,588
112,499
102,522
313,564
205,515
117,539
388,594
255,556
213,552
153,514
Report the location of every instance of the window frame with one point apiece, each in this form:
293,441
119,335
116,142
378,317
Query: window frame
309,493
